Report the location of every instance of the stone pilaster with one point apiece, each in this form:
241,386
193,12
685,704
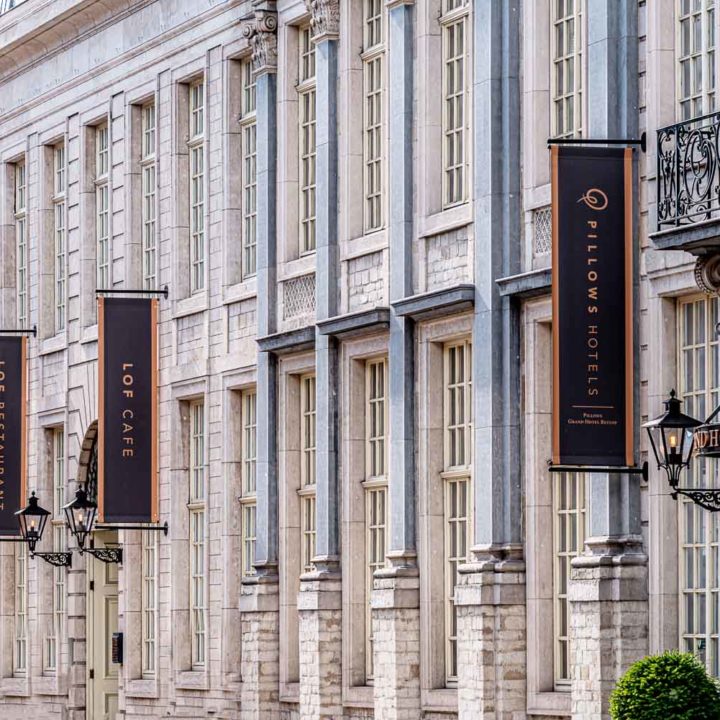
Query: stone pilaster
319,607
260,651
396,643
608,624
492,641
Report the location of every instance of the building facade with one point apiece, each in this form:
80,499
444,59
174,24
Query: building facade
349,203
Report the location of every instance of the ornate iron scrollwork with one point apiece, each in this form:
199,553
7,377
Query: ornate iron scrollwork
58,559
688,172
708,498
91,481
106,554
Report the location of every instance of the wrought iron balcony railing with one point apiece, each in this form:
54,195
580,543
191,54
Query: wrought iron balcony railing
688,175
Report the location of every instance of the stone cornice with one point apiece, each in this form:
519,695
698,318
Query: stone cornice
325,19
390,4
262,36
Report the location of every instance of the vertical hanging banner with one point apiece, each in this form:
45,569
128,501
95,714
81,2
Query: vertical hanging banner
128,410
13,431
592,304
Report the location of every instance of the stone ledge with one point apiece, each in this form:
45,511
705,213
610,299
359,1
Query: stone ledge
259,597
319,593
489,587
436,303
356,324
395,592
526,285
288,342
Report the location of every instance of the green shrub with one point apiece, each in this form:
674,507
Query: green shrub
671,686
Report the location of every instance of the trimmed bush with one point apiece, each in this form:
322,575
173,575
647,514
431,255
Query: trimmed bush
671,686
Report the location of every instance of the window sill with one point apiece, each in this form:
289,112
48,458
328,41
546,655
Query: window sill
369,244
440,700
191,680
90,334
295,268
446,221
53,344
549,703
241,291
289,692
142,688
191,305
15,686
359,696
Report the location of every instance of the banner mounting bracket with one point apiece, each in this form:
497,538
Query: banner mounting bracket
25,331
641,141
124,291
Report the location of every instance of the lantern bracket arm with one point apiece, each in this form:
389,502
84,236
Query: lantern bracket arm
58,559
106,554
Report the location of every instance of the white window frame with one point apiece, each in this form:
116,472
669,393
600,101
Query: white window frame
21,242
51,660
197,165
149,604
696,58
375,488
562,98
569,529
20,644
374,94
698,351
197,524
307,141
456,101
308,486
248,500
102,206
148,170
248,142
457,483
59,236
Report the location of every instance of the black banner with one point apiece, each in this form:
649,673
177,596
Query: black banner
592,306
128,430
13,439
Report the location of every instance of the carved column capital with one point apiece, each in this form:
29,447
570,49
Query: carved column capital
325,20
262,36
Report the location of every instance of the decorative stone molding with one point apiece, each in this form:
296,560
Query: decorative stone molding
325,21
707,273
262,36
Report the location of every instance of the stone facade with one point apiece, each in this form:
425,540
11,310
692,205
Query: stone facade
356,255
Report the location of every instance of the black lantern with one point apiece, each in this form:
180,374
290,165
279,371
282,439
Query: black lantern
32,519
671,437
80,514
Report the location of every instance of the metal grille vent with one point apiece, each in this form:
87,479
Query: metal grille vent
299,297
542,231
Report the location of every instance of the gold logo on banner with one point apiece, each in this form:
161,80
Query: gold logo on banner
595,199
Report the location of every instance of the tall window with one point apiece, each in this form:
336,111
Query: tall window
567,68
21,243
197,533
375,489
102,205
457,484
149,602
699,530
695,45
308,115
249,484
20,645
196,151
568,541
52,641
147,171
249,170
60,250
374,87
307,490
456,100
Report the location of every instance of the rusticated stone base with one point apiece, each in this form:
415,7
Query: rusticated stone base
319,607
492,641
396,647
608,626
260,660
